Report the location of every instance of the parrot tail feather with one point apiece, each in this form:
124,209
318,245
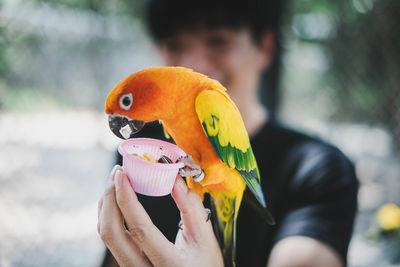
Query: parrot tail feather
224,224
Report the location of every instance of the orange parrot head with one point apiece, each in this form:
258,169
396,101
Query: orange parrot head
144,96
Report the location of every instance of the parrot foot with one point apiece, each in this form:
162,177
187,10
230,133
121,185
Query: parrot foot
191,169
208,218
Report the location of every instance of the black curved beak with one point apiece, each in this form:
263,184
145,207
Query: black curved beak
124,127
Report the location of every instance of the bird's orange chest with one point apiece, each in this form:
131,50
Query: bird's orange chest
189,135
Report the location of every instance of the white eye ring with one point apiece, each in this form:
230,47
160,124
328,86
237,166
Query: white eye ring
125,102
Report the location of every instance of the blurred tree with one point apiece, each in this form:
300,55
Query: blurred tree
365,57
361,43
116,7
359,37
51,49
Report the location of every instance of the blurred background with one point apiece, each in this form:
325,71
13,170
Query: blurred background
59,59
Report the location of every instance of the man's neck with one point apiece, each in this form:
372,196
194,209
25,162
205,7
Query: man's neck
254,114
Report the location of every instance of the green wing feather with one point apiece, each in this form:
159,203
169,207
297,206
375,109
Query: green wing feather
225,129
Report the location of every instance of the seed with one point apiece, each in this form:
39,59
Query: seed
164,159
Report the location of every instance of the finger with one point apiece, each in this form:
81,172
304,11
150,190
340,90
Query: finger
193,214
99,207
180,241
153,243
111,177
113,233
110,182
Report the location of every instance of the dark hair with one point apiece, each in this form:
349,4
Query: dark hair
167,17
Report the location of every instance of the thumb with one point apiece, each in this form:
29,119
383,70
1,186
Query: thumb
193,214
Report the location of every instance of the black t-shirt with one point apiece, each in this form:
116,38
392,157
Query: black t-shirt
310,188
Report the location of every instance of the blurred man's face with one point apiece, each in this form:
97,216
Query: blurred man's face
227,55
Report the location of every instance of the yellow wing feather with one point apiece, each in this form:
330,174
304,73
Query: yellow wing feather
231,128
224,127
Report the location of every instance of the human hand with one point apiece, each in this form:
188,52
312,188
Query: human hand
141,243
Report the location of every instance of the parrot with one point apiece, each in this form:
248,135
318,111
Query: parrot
198,114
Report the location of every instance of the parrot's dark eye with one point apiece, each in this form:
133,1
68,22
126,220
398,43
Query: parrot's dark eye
125,101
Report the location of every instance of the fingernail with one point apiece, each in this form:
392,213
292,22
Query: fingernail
118,179
181,185
114,170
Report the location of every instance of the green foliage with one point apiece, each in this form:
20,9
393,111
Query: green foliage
360,41
117,7
27,100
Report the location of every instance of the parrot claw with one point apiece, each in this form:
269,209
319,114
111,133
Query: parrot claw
188,160
191,169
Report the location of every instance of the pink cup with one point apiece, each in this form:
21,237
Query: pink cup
150,178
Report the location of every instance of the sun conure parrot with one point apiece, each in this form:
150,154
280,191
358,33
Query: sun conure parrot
198,114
